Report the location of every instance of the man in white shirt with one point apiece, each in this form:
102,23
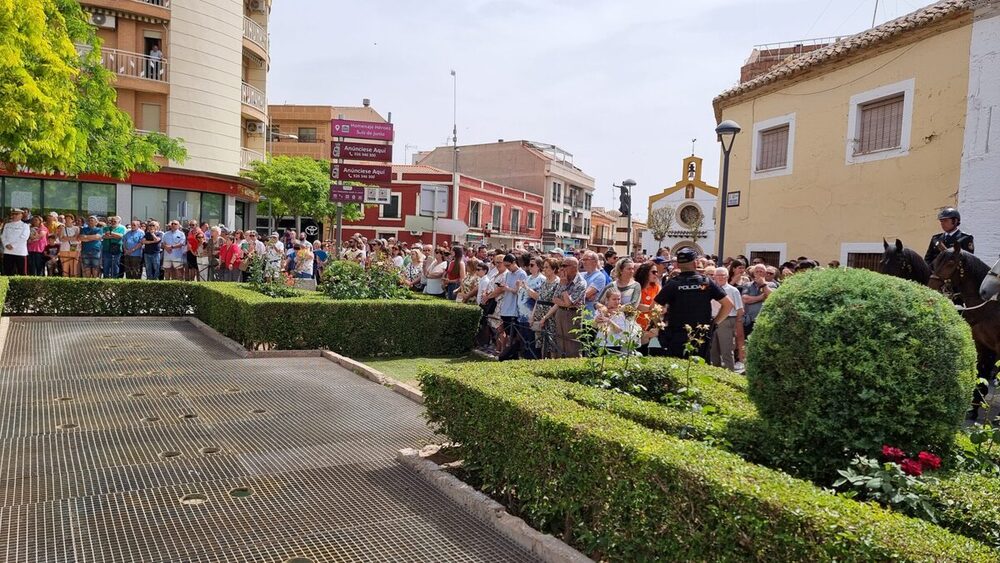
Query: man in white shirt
15,244
273,253
724,339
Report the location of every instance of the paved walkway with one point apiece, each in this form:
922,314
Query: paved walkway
140,440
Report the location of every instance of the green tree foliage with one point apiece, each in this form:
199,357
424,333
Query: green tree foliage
842,362
57,104
297,185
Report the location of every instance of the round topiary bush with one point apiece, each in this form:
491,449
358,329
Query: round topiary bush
843,361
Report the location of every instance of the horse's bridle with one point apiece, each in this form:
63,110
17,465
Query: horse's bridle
945,288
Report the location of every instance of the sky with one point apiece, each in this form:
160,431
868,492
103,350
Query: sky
624,86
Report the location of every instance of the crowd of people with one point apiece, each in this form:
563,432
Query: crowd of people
570,302
63,245
536,304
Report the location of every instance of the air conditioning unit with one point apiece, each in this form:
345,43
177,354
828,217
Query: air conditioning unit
258,6
488,227
416,233
255,127
103,20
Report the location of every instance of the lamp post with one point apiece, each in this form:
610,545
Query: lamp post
625,199
726,131
268,151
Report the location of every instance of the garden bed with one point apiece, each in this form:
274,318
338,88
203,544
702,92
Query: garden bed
370,328
623,478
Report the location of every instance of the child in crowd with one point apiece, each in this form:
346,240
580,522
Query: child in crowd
614,329
53,266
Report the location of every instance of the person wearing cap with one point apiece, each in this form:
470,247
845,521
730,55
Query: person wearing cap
274,251
15,244
688,298
950,219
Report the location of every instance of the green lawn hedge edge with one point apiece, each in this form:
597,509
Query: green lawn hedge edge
354,328
627,492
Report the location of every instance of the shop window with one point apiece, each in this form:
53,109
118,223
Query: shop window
184,206
98,199
213,209
61,196
22,193
150,203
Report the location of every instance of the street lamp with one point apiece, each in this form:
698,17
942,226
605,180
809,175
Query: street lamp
726,131
268,150
625,208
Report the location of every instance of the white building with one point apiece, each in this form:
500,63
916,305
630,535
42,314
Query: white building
693,201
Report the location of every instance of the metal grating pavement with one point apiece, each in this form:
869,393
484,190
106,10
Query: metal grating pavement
142,440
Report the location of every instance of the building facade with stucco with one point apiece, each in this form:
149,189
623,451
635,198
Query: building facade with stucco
867,138
693,203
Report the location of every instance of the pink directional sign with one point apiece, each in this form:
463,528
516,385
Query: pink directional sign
347,194
361,129
367,173
360,151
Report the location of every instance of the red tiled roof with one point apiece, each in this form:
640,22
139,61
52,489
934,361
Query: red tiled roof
929,15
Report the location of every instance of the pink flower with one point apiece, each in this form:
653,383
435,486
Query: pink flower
928,460
912,467
892,454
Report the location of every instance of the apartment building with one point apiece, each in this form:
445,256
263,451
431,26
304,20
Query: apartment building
538,168
867,138
302,130
192,69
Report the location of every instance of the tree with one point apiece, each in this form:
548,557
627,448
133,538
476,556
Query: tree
694,225
57,104
296,186
659,222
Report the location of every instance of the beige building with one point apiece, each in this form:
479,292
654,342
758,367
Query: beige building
537,168
194,70
867,138
305,130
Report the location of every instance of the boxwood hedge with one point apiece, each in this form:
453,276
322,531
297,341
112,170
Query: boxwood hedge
607,471
354,328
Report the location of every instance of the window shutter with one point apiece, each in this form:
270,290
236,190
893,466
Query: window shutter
881,125
773,149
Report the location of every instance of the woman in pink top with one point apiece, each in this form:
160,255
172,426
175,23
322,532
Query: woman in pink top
37,241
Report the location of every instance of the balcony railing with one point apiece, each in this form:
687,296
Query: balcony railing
255,33
160,3
254,97
247,156
135,65
603,242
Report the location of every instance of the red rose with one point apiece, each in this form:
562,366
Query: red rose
929,460
892,454
912,467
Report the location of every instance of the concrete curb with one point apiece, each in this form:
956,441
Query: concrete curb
490,512
408,391
4,327
218,337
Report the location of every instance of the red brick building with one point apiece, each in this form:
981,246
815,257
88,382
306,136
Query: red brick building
511,218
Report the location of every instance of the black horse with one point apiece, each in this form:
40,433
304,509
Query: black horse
966,273
903,262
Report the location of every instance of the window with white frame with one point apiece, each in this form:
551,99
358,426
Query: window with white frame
391,210
554,223
557,192
879,123
474,208
497,217
515,220
531,220
773,146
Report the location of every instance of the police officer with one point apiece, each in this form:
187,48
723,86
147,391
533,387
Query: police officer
688,301
950,219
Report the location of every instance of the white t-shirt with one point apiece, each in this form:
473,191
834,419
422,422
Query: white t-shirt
397,261
734,296
435,286
15,234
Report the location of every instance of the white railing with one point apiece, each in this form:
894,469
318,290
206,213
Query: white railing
247,156
254,32
135,65
254,97
160,3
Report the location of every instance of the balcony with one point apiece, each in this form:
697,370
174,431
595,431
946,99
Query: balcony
247,156
132,65
160,3
602,242
255,33
255,99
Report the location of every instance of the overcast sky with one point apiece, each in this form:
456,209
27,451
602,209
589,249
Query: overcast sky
622,85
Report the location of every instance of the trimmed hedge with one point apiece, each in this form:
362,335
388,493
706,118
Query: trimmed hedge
842,361
354,328
573,464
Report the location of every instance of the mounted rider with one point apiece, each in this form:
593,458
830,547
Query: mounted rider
950,219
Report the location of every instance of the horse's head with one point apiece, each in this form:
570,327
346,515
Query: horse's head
947,266
894,261
990,288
